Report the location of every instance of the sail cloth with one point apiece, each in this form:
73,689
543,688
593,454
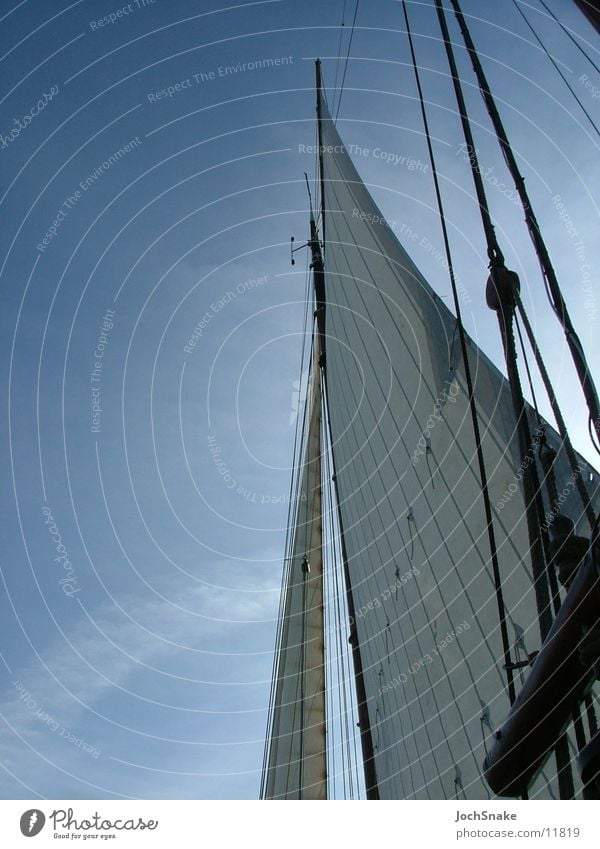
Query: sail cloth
410,496
296,759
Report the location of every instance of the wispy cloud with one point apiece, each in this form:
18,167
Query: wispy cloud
116,676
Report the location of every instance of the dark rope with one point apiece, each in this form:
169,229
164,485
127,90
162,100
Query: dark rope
494,253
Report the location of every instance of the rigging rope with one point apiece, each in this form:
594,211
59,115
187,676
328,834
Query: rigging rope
339,51
495,255
468,377
346,63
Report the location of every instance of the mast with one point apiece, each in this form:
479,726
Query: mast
364,723
320,141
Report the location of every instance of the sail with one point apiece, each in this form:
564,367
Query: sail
296,753
410,496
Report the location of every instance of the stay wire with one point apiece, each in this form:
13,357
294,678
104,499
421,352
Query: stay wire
339,51
346,62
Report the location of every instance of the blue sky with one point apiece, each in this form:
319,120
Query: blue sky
145,673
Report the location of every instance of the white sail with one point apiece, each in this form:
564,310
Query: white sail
296,755
427,617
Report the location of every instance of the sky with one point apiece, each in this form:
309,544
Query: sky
152,160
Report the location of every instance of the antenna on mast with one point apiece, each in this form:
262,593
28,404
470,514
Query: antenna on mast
312,218
312,215
320,90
